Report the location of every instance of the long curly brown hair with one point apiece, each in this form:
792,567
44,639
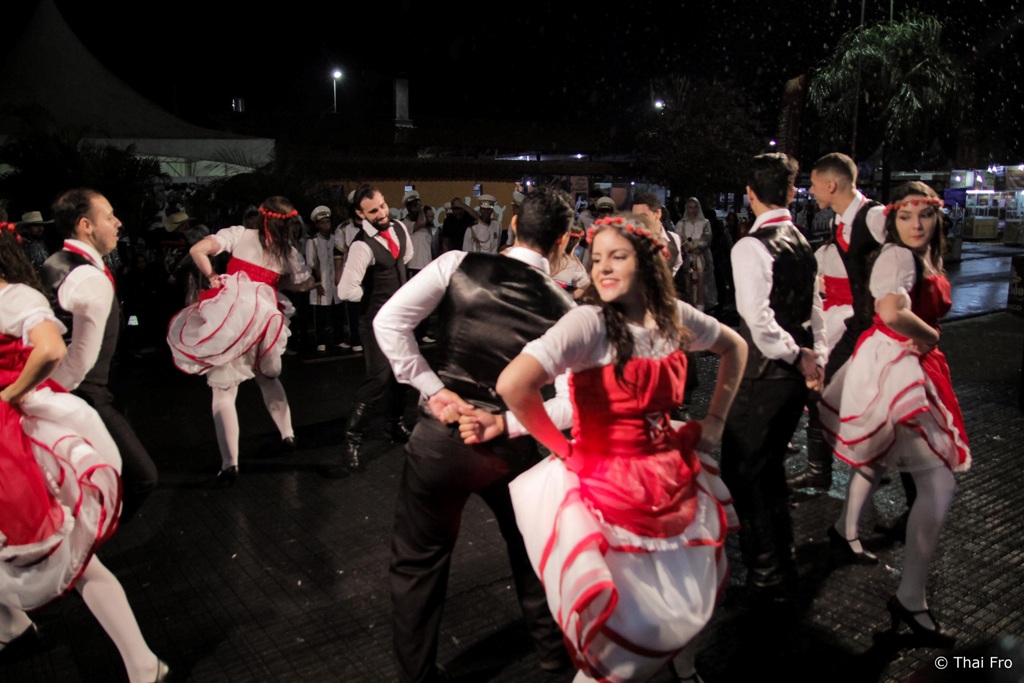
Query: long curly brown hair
14,264
658,293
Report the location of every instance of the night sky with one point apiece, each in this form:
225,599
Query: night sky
503,61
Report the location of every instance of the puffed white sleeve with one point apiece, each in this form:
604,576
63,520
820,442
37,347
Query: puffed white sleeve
298,269
228,237
21,309
894,272
575,342
703,329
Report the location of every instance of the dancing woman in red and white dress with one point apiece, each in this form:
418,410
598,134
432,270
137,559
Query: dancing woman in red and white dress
239,328
893,403
625,524
60,484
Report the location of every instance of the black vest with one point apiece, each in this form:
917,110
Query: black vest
385,275
54,272
493,306
857,260
793,272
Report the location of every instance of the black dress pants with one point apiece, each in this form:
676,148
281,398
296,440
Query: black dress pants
440,474
138,473
379,382
761,422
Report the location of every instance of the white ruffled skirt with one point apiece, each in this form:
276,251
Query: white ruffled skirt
229,336
626,603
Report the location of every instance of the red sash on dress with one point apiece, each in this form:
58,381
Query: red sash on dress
837,292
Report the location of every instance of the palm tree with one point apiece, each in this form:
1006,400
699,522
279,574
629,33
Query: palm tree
909,85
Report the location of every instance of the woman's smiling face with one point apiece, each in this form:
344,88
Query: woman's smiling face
614,269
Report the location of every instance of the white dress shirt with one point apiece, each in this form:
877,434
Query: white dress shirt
419,298
752,272
87,294
360,257
875,218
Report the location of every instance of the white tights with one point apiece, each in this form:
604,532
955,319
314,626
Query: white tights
105,598
225,416
684,664
935,488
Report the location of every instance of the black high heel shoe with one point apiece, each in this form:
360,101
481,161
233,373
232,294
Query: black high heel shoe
226,477
21,645
843,553
935,637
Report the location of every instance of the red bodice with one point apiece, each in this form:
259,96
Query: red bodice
930,299
634,468
255,273
27,513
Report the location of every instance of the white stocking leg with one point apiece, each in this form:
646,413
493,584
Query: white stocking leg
863,482
225,420
935,488
105,598
277,404
685,663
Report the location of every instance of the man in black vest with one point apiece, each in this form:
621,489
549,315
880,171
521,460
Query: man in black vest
781,321
490,307
374,270
858,231
83,287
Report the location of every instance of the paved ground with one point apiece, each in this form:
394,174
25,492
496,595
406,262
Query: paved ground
282,578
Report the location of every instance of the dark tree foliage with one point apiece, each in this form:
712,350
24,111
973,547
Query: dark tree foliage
44,164
911,92
702,139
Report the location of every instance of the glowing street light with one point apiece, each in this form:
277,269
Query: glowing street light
659,104
336,76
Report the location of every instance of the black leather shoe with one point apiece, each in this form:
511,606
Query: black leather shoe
934,637
399,432
813,477
287,445
22,645
353,444
227,477
843,553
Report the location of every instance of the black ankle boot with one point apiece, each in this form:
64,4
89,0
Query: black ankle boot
354,435
818,474
400,433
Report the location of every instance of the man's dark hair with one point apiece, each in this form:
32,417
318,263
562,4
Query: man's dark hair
545,216
771,177
364,191
70,207
648,199
838,164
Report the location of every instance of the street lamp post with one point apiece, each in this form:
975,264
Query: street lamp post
336,76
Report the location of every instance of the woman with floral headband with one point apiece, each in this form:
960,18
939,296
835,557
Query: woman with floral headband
897,402
625,522
237,330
